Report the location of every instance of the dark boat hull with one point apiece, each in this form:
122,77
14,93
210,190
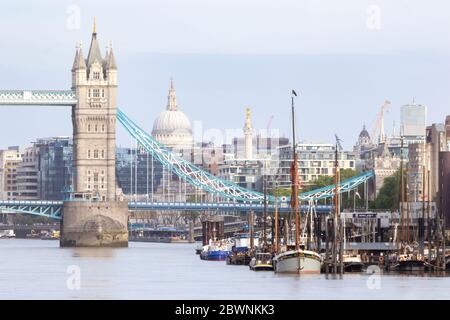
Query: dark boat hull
353,267
242,260
413,265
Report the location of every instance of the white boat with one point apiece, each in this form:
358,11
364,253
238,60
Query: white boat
353,263
298,261
7,234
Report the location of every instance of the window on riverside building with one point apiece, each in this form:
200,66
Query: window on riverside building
96,155
96,93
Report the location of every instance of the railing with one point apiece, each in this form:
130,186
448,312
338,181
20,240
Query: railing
38,97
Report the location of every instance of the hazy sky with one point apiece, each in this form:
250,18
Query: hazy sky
344,57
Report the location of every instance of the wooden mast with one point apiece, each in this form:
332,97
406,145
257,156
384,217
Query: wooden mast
407,207
402,194
294,179
276,244
428,217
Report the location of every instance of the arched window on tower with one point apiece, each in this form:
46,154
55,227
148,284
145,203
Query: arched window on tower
95,154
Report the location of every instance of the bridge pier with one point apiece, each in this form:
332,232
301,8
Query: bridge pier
94,224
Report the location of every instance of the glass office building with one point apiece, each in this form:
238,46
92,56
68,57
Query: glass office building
413,120
137,180
54,167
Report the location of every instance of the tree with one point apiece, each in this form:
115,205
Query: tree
388,196
27,219
324,180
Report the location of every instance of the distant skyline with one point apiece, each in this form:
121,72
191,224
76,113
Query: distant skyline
344,59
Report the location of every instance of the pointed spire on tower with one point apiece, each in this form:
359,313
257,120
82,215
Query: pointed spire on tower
75,60
110,60
386,153
172,98
79,62
94,50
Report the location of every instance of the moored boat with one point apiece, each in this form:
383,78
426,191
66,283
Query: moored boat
353,263
216,251
52,235
409,262
240,250
7,234
298,261
198,249
238,258
262,261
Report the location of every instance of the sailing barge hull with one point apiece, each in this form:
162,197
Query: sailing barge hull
298,262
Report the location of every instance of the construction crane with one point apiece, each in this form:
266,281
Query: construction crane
379,123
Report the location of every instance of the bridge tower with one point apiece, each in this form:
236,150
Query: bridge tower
95,214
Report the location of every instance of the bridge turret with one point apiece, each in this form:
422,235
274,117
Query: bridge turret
111,67
78,68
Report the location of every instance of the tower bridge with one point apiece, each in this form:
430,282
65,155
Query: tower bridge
96,213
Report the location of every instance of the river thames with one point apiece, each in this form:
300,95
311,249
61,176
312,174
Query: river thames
39,269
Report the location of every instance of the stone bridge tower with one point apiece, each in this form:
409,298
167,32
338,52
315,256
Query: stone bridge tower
94,122
94,216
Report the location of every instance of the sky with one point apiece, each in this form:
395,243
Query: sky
344,58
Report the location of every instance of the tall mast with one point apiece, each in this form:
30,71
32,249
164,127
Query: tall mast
428,217
402,192
337,224
265,211
407,205
276,243
294,179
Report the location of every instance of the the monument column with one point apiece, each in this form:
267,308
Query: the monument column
94,215
248,134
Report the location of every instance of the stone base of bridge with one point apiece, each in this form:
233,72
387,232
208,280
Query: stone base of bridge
94,224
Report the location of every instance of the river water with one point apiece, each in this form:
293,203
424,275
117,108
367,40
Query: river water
39,269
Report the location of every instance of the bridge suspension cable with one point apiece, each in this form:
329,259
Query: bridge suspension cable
212,184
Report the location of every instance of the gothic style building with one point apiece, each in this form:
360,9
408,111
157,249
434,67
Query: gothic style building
94,122
96,214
